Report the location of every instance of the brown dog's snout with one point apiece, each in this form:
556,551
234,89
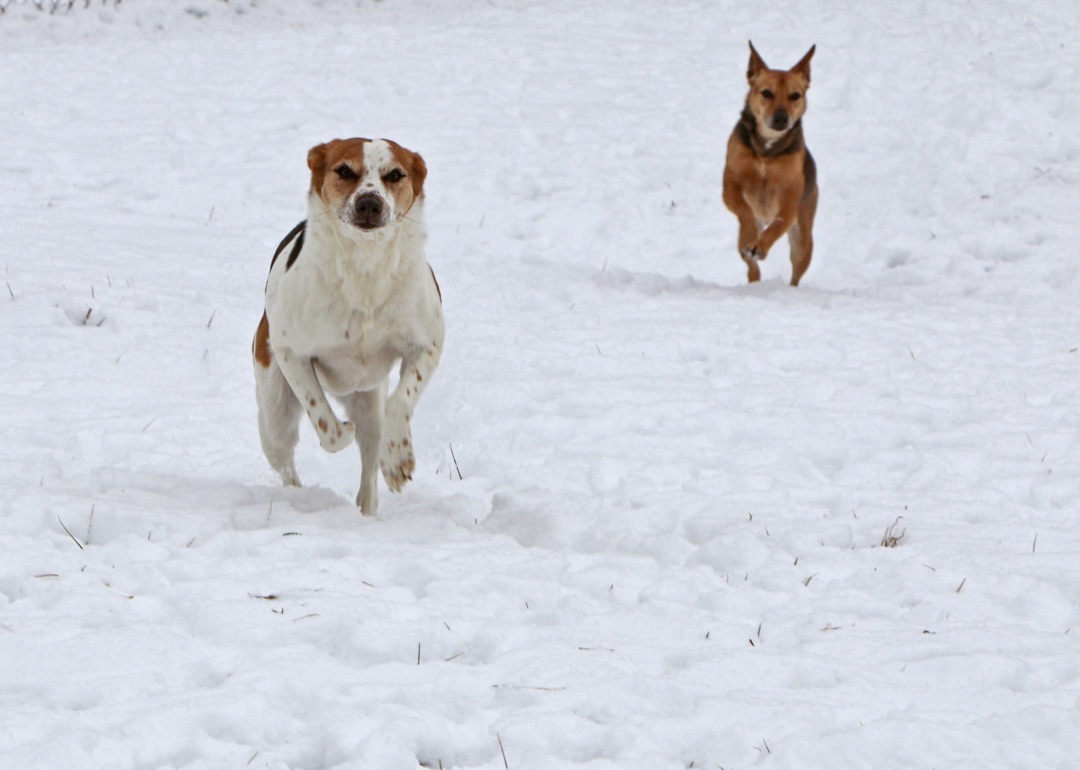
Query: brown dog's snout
368,210
779,121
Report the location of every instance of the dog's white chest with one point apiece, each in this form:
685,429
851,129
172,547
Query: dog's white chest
352,351
353,347
352,368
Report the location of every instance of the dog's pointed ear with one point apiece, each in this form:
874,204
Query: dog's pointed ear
316,160
803,67
757,64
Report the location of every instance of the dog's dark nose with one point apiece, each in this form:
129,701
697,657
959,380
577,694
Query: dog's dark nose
369,210
369,205
779,120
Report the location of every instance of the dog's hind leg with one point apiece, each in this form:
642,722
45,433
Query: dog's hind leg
279,419
365,410
801,238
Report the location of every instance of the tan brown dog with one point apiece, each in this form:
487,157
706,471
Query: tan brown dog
770,180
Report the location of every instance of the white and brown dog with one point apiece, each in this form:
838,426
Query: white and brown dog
349,295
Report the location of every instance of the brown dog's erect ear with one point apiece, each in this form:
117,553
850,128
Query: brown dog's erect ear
757,64
316,160
803,67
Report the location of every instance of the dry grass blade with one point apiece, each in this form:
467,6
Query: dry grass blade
503,752
892,538
70,535
456,468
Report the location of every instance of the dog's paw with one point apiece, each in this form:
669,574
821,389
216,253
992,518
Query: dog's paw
289,476
333,435
396,459
367,499
753,253
397,463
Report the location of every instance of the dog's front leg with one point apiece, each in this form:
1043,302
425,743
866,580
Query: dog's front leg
396,458
748,228
333,434
751,255
759,247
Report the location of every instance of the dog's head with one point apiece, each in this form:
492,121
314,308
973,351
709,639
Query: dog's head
777,98
367,185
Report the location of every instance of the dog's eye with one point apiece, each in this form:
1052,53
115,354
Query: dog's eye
346,173
794,97
768,94
394,176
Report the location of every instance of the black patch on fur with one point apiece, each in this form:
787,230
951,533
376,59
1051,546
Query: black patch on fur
296,231
436,280
809,172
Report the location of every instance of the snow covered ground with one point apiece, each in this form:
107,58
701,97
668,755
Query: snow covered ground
646,530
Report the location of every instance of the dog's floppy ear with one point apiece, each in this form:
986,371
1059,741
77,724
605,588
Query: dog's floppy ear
316,160
417,174
803,67
757,64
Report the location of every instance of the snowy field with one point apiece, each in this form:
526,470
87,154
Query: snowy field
649,524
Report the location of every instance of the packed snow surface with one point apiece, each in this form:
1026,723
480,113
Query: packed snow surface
661,519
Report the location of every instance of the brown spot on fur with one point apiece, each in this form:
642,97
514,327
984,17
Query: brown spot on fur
322,425
260,348
419,377
325,157
312,402
413,164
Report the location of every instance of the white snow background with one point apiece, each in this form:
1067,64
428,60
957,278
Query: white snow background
648,528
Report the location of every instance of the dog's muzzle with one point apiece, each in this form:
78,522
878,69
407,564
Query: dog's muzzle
369,211
780,121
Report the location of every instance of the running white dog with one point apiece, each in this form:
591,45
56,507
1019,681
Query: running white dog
352,296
